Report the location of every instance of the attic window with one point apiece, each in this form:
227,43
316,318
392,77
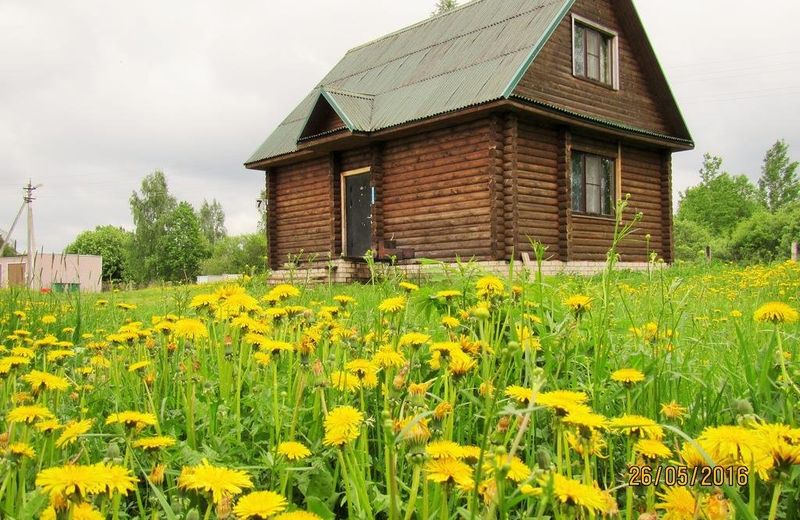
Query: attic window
594,53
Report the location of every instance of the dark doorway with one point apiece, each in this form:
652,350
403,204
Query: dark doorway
357,205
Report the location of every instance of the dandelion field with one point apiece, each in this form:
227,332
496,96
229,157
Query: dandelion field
468,396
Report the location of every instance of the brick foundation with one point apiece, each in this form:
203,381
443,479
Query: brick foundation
347,271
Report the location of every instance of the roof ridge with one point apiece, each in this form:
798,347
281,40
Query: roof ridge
343,92
430,19
462,35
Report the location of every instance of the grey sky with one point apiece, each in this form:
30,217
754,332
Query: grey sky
95,94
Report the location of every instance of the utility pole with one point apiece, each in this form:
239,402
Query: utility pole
29,198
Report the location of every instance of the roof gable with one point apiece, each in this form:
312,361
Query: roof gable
474,54
465,57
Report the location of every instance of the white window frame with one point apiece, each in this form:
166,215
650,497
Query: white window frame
576,19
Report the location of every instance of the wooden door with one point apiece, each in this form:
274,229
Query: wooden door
357,205
16,275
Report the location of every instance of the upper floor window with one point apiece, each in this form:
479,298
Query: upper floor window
593,186
594,53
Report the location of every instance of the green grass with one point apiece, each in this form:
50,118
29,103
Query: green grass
689,329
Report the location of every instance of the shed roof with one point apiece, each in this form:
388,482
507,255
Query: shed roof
468,56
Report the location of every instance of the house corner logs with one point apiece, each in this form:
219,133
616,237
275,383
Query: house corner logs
510,188
496,176
334,178
376,183
668,243
272,220
564,188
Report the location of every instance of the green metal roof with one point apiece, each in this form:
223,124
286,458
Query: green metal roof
468,56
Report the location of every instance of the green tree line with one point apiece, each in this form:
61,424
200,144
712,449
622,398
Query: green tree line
737,219
170,241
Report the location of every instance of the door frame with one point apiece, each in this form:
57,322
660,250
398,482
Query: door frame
343,201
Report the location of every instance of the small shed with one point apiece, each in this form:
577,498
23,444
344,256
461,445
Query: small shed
54,271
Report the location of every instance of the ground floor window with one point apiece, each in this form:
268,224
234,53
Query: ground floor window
592,184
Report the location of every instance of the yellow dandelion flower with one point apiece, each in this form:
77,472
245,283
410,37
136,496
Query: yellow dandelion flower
678,503
73,430
392,305
414,340
627,376
220,482
490,286
131,419
20,450
285,291
450,471
48,319
86,511
39,380
673,410
443,450
413,430
776,312
81,481
48,426
387,357
562,402
518,471
345,381
652,449
520,394
573,493
190,329
293,450
460,364
342,425
450,322
154,443
408,286
29,414
297,515
578,303
448,294
637,426
139,365
260,504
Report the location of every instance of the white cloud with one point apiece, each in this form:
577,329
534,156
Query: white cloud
96,94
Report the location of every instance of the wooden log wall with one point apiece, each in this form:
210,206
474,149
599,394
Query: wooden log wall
436,192
301,203
668,243
550,78
510,184
537,179
496,176
376,182
272,251
641,173
564,190
335,182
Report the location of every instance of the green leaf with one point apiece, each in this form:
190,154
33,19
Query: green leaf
34,505
317,506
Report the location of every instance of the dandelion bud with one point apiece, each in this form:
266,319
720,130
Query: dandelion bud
648,516
543,458
157,474
193,514
741,407
112,451
3,439
224,508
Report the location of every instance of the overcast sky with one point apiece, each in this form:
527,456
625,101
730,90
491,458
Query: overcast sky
95,94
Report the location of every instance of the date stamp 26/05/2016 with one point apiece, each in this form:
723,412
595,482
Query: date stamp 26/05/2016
659,475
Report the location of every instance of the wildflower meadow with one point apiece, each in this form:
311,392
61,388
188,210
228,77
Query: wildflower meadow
670,394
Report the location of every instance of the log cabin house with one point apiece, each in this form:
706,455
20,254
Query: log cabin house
473,132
